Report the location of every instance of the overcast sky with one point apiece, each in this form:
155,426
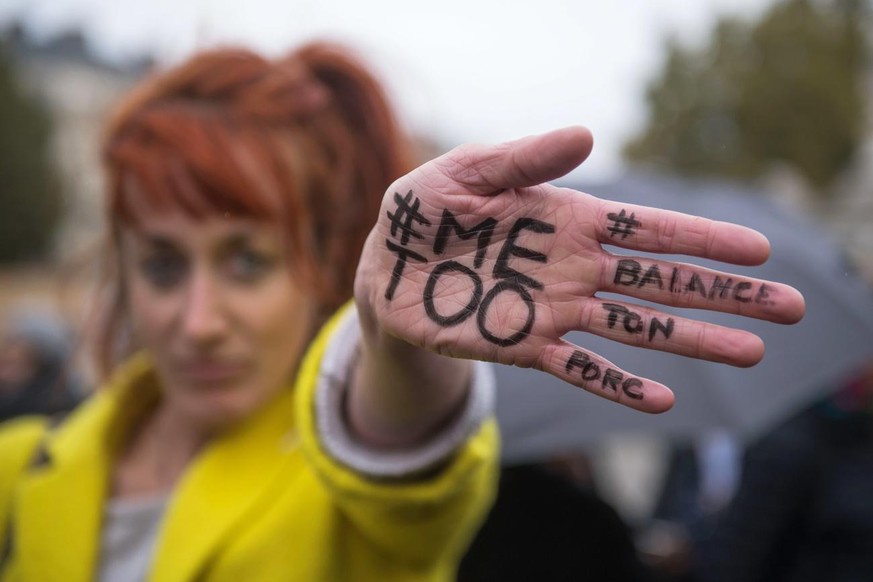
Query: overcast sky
460,70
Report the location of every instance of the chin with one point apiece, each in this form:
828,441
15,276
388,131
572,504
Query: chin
219,411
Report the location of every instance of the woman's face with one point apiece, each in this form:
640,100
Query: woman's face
215,304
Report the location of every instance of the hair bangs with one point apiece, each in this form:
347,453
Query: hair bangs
194,165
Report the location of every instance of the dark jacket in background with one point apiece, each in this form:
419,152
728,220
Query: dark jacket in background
804,508
544,528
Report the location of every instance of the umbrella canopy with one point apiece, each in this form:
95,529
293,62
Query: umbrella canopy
540,416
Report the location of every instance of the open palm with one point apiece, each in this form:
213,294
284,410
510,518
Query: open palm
475,256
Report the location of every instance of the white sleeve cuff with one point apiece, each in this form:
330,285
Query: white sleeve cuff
336,366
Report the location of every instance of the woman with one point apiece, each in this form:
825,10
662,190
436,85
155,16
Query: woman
234,441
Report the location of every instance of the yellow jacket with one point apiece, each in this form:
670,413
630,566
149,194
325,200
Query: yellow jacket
261,503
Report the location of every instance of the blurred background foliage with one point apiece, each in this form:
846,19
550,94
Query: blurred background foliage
789,88
30,200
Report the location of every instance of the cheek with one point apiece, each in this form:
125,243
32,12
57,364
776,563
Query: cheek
280,324
150,316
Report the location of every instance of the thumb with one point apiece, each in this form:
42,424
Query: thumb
528,161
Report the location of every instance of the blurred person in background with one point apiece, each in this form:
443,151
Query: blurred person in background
256,424
550,522
35,373
802,510
700,478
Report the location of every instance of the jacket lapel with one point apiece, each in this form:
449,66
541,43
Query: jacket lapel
59,501
58,504
225,484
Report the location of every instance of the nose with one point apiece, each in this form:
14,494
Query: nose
204,321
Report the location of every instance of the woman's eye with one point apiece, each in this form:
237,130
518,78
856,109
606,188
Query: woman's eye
164,270
248,265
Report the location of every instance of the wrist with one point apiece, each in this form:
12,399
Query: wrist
342,439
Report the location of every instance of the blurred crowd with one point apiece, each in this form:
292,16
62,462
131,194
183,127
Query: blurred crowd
36,352
792,505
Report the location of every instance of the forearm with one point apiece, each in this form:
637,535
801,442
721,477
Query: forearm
401,394
418,505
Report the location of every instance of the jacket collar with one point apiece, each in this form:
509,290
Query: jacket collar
233,479
60,502
60,497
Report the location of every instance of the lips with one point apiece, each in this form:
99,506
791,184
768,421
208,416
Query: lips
211,372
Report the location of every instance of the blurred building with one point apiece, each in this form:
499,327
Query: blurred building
78,90
851,215
847,212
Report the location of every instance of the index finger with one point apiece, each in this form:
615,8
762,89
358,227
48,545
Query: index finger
654,230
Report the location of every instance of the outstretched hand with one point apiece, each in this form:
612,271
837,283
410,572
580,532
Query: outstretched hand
475,256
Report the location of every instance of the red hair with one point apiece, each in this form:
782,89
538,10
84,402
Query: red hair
308,140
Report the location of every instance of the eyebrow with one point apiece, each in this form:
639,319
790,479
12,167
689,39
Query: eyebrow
152,239
239,237
159,240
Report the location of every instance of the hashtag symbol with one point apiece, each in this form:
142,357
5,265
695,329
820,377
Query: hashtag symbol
622,224
401,222
402,218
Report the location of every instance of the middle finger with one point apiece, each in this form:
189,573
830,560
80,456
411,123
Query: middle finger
685,285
